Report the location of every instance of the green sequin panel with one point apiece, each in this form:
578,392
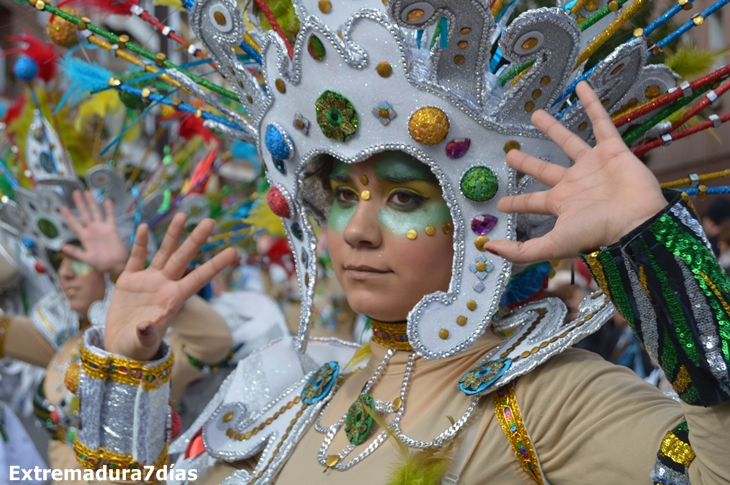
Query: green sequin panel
616,285
700,260
669,359
679,319
358,421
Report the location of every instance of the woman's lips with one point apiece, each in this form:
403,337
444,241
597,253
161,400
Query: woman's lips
362,272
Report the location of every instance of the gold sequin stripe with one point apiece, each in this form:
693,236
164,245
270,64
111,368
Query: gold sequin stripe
4,324
677,450
597,270
95,459
126,371
391,335
510,419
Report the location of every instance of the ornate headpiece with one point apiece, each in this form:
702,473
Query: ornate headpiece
361,78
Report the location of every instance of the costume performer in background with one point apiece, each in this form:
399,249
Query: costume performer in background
83,271
400,151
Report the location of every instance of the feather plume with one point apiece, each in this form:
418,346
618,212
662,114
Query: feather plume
263,219
84,77
43,54
690,62
362,354
108,7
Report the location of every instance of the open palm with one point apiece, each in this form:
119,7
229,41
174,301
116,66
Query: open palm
606,194
101,244
145,300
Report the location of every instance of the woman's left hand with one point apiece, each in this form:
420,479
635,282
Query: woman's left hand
605,195
101,244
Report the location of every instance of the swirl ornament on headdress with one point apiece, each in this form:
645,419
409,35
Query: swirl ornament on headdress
356,65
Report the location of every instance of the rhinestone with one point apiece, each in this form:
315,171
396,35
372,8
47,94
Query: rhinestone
280,86
478,286
412,234
483,224
325,6
332,460
447,228
364,179
457,148
365,195
430,230
228,416
415,15
529,43
458,60
652,91
315,47
397,403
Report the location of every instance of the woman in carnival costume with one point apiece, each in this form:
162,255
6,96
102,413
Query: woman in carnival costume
400,151
82,259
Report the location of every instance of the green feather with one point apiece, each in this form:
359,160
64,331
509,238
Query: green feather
690,62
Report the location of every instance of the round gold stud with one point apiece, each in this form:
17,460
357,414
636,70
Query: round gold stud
384,69
325,6
219,18
687,6
459,60
639,32
462,44
606,102
582,126
702,192
481,266
698,20
480,242
465,31
146,92
613,5
529,106
160,59
364,179
228,416
580,19
536,94
652,91
461,320
545,80
123,39
511,145
633,102
446,228
430,230
397,403
40,5
412,234
471,305
444,334
415,15
365,195
280,86
332,460
529,43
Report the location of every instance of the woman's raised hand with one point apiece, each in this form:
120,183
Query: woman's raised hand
606,194
145,300
101,244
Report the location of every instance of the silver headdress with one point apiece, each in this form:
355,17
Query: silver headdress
360,81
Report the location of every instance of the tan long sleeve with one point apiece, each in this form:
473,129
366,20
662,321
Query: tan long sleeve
24,342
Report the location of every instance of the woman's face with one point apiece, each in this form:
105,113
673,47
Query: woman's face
81,283
389,234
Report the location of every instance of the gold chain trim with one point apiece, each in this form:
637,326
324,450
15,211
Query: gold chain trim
677,450
4,324
391,335
126,371
510,419
95,459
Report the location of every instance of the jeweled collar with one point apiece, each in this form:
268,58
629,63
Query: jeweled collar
391,335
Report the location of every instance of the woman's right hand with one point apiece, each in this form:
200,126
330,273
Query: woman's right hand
146,299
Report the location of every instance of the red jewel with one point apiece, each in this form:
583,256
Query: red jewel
277,203
195,447
176,425
54,416
40,269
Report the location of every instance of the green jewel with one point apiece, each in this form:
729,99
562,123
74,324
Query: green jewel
359,421
336,116
479,184
315,47
47,228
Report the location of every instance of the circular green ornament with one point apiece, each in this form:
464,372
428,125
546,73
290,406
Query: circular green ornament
315,47
336,116
479,184
47,228
358,421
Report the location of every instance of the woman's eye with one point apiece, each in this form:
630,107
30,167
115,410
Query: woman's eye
404,199
345,195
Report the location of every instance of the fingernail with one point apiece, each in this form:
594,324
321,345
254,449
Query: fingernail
146,332
492,251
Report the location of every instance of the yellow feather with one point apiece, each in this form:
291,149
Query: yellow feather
690,62
363,353
262,218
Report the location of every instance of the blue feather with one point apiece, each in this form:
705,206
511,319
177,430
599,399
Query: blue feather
245,151
84,77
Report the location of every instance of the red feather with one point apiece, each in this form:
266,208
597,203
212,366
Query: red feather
43,54
15,109
198,178
108,7
191,126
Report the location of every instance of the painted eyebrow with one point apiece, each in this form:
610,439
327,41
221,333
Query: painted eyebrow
401,178
340,177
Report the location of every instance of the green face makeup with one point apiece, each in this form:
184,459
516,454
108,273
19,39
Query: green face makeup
411,200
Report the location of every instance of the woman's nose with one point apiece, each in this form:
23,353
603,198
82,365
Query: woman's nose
364,228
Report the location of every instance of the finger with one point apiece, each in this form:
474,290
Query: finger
178,263
111,217
169,243
193,282
569,142
81,207
73,223
533,203
528,252
74,252
548,173
138,256
603,127
95,210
